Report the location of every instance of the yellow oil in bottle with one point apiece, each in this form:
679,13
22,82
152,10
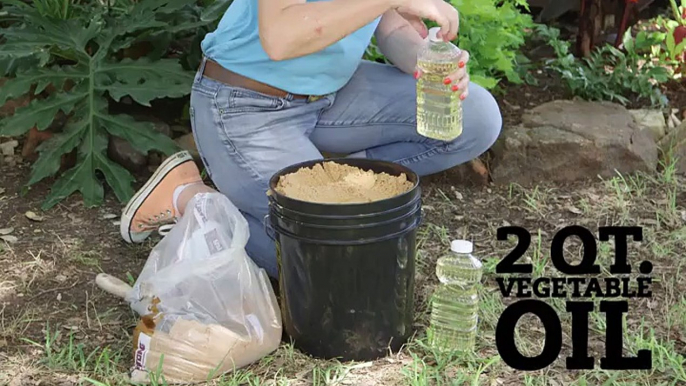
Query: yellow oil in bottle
439,109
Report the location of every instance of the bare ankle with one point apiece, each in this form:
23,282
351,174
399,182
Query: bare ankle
184,194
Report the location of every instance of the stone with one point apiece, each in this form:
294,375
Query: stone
7,148
126,155
10,161
121,152
653,120
673,148
180,129
187,142
33,139
158,125
564,141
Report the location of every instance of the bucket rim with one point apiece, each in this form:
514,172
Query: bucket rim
415,212
411,176
275,205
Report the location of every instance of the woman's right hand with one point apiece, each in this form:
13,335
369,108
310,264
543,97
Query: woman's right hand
441,12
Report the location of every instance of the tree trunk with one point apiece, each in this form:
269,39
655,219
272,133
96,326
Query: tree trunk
591,20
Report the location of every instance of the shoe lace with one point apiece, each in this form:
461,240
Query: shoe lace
162,222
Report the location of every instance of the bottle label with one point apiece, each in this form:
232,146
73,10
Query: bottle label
142,351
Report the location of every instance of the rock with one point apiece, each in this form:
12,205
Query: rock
121,152
564,141
33,216
653,120
7,148
159,125
187,142
673,148
126,155
10,161
180,129
34,138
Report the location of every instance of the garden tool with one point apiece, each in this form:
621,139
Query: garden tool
120,289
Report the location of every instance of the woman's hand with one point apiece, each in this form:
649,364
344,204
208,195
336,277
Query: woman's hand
444,14
458,79
417,23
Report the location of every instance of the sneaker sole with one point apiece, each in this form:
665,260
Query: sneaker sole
137,200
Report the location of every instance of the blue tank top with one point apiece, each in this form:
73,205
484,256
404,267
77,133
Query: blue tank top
236,46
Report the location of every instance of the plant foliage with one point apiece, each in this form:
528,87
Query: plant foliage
492,31
609,74
77,54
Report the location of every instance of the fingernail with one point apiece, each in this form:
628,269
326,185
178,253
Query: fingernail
416,74
462,96
447,81
454,88
461,64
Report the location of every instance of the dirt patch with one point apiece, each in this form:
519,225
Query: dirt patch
335,183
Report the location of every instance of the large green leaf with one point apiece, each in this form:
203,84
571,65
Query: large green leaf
140,134
84,48
216,10
40,113
80,178
83,177
52,150
116,176
144,80
144,70
19,49
41,77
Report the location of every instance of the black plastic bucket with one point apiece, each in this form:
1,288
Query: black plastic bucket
346,271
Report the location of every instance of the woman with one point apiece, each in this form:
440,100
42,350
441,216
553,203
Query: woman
284,80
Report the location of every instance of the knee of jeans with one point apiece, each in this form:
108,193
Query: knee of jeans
489,122
489,131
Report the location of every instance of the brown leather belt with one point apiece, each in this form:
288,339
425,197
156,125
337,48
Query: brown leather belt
215,71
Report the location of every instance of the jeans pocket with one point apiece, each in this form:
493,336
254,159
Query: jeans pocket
232,100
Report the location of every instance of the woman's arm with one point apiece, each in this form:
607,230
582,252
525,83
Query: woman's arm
293,28
399,41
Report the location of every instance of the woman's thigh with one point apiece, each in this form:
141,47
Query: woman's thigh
245,137
379,107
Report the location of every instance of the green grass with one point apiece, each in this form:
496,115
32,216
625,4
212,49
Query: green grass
655,202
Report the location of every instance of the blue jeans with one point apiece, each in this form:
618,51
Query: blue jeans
244,137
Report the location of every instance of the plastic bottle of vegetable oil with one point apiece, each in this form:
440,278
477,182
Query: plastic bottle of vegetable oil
455,307
439,109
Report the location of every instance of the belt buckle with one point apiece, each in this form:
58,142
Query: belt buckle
314,98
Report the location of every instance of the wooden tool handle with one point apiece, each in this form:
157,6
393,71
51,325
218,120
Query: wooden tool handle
112,285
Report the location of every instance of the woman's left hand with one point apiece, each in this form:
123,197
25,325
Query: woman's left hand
459,80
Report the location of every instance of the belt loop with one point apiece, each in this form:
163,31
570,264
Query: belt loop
201,69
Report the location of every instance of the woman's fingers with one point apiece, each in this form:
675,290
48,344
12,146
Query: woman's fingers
454,25
444,23
451,17
416,22
461,72
463,88
420,27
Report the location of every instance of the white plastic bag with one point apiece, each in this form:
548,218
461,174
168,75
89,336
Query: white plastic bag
207,308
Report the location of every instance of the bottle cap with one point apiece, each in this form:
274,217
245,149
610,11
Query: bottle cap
433,34
461,246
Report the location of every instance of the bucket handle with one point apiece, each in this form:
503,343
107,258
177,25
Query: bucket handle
268,229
